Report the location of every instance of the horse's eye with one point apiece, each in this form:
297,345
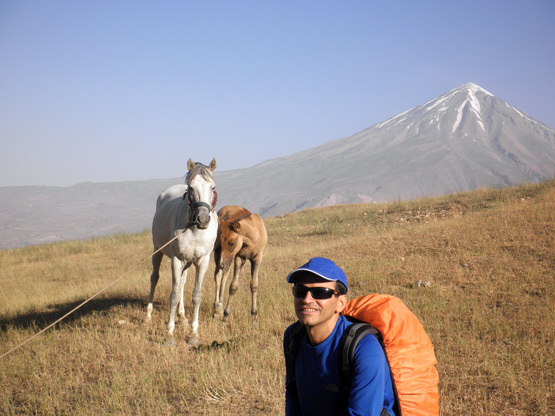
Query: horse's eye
231,244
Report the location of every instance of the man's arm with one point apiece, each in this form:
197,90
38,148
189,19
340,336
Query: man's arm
371,384
292,407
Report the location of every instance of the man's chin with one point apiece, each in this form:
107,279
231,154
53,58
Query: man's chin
306,319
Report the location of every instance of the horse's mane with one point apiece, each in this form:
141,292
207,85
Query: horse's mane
201,170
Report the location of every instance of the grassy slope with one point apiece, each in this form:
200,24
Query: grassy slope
489,255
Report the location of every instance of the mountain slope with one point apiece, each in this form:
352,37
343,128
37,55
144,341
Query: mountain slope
465,139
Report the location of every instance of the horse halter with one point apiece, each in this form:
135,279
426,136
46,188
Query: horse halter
193,206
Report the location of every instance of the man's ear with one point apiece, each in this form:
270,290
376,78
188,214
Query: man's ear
341,303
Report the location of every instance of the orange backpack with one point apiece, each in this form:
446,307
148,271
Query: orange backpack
408,349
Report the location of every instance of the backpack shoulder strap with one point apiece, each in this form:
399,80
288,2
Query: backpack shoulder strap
347,346
292,343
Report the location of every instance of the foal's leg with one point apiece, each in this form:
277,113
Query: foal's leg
221,277
225,275
218,273
179,276
200,269
156,260
255,267
234,284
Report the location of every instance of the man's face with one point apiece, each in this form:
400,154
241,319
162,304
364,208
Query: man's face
318,312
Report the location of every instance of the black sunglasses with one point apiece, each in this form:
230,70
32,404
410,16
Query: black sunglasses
315,292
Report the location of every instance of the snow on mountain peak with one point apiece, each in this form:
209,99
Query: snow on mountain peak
456,99
473,88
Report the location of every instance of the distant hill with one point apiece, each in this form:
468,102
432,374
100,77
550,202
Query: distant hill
465,139
42,214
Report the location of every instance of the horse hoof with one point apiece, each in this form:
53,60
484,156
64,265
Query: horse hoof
170,342
146,321
193,340
218,311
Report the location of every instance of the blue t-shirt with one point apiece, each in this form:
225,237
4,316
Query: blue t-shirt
319,389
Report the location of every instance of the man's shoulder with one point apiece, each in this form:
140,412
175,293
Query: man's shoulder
361,339
369,351
370,342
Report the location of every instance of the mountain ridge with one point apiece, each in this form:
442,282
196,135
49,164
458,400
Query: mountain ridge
464,139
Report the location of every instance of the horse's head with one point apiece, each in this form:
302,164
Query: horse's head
201,193
231,241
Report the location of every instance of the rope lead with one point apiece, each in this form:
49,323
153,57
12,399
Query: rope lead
86,301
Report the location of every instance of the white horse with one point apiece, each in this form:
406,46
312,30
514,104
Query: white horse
188,212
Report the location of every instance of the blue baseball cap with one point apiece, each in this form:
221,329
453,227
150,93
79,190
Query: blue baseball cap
322,267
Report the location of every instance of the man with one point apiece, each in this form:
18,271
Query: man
312,381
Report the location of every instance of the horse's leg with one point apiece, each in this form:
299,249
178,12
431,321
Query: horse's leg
156,260
200,269
179,276
181,309
234,284
255,266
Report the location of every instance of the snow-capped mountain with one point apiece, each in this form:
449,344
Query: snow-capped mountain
465,139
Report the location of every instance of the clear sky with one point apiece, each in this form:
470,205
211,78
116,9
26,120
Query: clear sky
102,91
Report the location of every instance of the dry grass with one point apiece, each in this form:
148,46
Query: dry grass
489,255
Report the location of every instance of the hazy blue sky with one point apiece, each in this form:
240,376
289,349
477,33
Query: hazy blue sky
96,91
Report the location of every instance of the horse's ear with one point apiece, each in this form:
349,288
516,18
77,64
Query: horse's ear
190,165
212,165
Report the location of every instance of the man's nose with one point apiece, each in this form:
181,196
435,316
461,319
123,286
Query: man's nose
308,297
